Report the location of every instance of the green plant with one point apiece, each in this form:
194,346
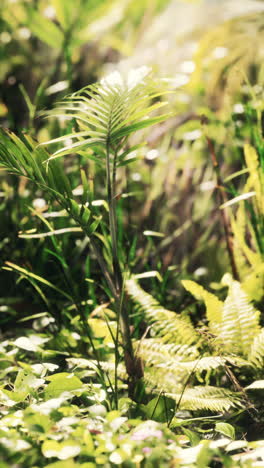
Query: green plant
177,355
248,225
106,113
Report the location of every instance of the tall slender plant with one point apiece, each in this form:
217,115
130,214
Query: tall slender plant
106,114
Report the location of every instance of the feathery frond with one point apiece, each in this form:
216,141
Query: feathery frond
240,323
213,305
256,353
177,358
195,398
170,326
25,158
256,178
207,398
108,112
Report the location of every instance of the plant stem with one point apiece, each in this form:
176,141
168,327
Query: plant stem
133,370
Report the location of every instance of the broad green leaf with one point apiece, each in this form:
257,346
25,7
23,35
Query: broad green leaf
69,463
61,450
25,343
26,381
160,408
204,456
62,382
225,429
16,397
37,422
192,436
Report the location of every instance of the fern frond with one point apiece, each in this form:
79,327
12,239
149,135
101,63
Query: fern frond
205,363
240,323
22,158
256,353
108,112
154,349
213,305
171,327
254,258
176,358
256,385
255,179
197,398
25,158
206,398
253,283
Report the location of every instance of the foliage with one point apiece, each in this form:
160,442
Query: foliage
176,354
50,418
107,113
120,342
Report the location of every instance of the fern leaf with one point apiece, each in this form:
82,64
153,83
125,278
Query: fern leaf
109,111
252,162
256,353
207,398
253,257
256,385
213,305
253,284
177,358
165,323
204,397
155,348
240,322
26,159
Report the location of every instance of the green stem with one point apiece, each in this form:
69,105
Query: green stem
122,316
